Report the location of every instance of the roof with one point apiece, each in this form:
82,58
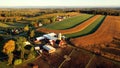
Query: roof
48,47
50,36
40,38
37,48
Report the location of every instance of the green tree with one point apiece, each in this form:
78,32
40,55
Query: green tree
46,21
31,54
53,19
17,61
20,45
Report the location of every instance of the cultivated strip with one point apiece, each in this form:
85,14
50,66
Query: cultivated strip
72,30
103,35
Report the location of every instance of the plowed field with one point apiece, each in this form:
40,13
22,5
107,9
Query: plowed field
104,34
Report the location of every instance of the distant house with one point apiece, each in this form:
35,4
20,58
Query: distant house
60,18
40,24
49,48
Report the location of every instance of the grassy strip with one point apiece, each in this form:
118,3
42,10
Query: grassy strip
90,29
3,25
11,25
70,22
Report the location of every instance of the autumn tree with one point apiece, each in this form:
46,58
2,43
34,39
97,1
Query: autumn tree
8,48
20,45
26,28
32,33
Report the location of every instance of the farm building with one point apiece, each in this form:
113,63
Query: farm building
51,39
38,50
59,42
50,34
40,38
40,24
49,48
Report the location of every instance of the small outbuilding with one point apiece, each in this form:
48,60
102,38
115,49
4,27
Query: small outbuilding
49,48
40,38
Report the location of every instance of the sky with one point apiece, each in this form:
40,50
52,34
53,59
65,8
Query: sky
80,3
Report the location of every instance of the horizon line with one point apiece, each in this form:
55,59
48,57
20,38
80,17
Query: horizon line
59,6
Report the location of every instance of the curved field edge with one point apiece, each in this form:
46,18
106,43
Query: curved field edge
53,15
88,30
103,35
106,35
70,22
78,28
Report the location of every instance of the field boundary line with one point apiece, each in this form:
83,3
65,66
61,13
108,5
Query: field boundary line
90,61
65,59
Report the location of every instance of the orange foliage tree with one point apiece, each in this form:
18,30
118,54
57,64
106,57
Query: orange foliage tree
8,48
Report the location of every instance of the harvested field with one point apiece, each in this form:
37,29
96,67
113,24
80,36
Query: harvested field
79,59
115,51
103,35
51,60
69,22
101,62
80,27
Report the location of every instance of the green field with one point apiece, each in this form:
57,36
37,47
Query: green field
90,29
3,25
70,22
11,25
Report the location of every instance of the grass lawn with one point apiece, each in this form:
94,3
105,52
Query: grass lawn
3,25
11,25
70,22
88,30
4,65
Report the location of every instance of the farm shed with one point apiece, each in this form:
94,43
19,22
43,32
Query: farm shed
37,48
50,36
40,38
49,48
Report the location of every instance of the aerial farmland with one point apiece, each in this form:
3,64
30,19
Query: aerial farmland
59,36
